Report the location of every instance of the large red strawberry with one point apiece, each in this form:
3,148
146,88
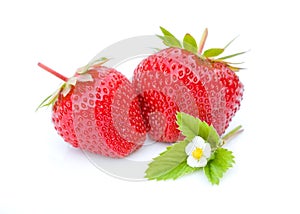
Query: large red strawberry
97,110
181,78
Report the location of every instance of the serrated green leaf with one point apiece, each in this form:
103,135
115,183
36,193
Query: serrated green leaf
168,161
169,39
213,52
188,125
220,162
179,171
191,126
213,137
190,44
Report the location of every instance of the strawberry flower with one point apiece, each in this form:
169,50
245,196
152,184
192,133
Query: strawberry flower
198,152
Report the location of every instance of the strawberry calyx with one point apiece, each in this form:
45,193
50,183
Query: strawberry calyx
81,75
189,43
93,64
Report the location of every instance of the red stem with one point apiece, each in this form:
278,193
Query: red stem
62,77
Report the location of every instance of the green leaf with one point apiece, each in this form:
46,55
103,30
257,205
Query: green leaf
169,39
190,44
220,162
213,52
191,126
188,125
45,102
169,163
50,100
229,43
165,41
232,55
179,171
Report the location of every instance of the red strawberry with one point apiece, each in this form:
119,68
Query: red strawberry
97,110
181,79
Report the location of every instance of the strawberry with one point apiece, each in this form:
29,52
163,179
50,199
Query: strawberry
182,78
97,110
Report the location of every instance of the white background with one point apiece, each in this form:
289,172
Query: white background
42,174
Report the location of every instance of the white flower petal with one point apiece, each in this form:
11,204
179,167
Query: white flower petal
207,150
198,142
189,148
202,162
192,162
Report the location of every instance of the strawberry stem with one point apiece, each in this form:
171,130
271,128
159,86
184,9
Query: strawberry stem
231,134
62,77
202,41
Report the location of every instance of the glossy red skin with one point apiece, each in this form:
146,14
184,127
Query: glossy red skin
102,116
233,89
175,80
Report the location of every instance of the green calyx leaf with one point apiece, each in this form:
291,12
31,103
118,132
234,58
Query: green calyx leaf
92,64
170,164
232,55
81,75
229,43
50,100
65,88
213,52
169,39
190,44
191,126
220,162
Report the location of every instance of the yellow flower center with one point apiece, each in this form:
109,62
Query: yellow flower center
197,153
